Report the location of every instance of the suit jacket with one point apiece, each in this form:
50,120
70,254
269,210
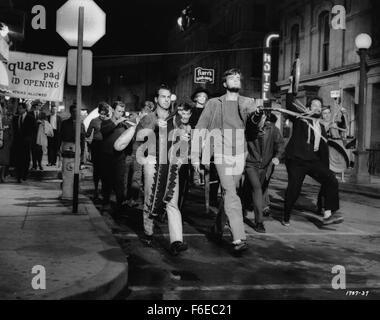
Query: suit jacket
26,131
273,144
36,124
67,133
298,146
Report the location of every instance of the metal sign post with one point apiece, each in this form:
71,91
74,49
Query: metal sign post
78,110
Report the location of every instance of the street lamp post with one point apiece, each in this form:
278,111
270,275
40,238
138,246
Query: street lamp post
363,43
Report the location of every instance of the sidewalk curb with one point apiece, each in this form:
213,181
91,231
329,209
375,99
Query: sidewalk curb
112,279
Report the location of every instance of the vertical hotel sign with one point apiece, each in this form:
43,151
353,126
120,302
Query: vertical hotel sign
266,75
267,68
34,76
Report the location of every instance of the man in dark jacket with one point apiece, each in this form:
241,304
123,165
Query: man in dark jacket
265,148
23,126
306,154
68,127
37,114
114,162
53,142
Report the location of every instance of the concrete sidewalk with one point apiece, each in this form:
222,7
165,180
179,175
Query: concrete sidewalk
81,258
371,190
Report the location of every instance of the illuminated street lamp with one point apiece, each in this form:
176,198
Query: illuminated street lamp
4,30
363,42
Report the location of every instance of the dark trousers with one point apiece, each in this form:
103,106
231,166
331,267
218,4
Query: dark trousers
297,170
184,177
95,148
113,178
214,187
22,158
133,178
252,190
36,155
53,148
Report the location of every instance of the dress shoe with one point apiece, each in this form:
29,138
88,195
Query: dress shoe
177,247
259,227
335,218
285,223
240,246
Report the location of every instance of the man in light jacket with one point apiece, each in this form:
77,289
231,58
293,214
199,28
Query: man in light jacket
221,128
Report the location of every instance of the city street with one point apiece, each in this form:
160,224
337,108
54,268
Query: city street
102,102
284,263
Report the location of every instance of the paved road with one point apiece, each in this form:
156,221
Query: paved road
284,263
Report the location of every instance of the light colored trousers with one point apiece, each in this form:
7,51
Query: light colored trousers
174,215
230,170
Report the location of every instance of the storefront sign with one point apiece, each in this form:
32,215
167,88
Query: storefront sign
34,76
202,75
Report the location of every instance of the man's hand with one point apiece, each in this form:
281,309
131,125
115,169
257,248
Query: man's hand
162,123
257,115
290,84
185,137
275,161
122,119
197,167
140,116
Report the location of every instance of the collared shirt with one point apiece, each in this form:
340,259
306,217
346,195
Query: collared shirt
53,121
317,134
21,120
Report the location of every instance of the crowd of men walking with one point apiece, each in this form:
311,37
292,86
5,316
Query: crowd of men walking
155,154
152,156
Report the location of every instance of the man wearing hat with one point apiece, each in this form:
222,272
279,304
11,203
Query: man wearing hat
199,97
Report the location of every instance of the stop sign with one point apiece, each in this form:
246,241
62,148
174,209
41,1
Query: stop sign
94,22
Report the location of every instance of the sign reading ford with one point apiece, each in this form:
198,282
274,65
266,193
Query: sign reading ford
202,75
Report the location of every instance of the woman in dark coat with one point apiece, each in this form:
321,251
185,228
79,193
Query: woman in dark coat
5,142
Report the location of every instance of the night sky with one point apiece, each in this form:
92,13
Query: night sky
133,26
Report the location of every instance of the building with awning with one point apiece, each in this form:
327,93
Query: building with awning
4,56
4,81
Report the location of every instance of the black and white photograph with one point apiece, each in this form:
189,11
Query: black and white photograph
191,154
